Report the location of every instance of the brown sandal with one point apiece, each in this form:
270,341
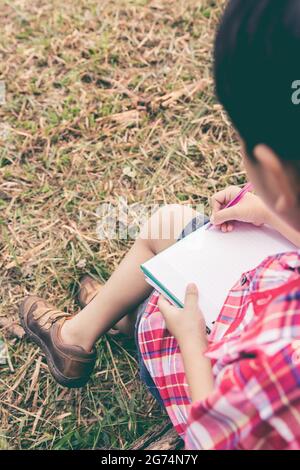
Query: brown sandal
71,366
88,289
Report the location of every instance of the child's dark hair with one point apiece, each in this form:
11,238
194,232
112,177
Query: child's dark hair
257,64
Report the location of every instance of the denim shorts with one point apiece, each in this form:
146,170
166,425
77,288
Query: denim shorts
145,377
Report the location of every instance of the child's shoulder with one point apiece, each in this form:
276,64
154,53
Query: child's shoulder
276,271
276,282
276,298
273,311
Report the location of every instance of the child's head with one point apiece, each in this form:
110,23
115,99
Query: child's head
257,66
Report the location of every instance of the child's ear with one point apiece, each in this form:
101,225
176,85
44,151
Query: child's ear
276,179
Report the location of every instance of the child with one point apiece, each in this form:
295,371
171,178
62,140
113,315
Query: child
239,388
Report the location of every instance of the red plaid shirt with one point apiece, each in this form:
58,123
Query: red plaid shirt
255,351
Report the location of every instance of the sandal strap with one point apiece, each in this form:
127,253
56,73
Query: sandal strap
46,315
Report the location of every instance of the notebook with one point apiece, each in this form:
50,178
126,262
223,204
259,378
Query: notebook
214,261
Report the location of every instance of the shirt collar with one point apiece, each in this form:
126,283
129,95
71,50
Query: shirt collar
291,260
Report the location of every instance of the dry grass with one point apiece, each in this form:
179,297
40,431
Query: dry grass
104,99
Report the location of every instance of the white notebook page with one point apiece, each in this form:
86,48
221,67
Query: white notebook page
214,261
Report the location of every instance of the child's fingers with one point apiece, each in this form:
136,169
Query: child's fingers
191,297
218,200
226,227
161,302
221,198
215,205
225,215
164,306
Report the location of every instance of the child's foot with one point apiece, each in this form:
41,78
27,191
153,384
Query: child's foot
70,365
88,289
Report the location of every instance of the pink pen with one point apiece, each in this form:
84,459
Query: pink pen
246,189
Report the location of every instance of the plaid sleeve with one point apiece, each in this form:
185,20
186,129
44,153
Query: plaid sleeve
255,404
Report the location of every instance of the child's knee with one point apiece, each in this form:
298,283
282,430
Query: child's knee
174,217
167,223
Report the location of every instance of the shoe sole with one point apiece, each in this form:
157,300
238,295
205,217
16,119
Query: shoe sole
58,376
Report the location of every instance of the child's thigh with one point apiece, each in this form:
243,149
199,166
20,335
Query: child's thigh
165,226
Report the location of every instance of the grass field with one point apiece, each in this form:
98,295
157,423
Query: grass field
103,99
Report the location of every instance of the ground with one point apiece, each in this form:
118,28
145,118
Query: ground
103,99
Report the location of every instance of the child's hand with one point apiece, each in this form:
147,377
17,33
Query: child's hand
185,324
250,209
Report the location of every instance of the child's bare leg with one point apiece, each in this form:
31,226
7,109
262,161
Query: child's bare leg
126,288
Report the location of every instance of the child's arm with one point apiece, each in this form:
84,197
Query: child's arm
192,340
227,414
197,369
250,209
